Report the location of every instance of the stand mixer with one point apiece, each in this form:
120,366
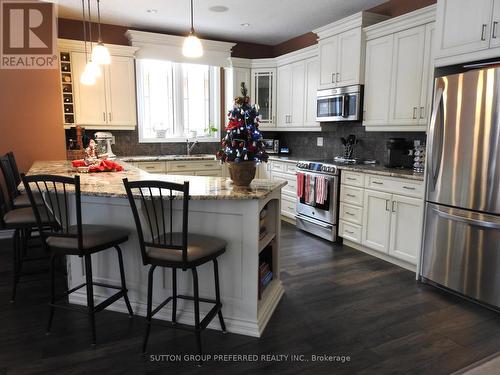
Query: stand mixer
104,141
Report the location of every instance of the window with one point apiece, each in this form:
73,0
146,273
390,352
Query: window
177,101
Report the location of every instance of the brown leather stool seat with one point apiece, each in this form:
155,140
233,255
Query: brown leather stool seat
95,238
23,218
200,247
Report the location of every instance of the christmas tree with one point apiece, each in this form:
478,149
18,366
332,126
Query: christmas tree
243,140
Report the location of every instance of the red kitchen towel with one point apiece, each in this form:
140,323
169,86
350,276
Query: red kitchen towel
321,189
300,185
104,166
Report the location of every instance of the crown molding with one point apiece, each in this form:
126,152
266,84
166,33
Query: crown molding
406,21
360,19
72,45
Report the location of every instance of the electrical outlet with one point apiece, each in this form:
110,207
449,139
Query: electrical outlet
319,141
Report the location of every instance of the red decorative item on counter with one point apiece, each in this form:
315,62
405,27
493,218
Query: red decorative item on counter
102,166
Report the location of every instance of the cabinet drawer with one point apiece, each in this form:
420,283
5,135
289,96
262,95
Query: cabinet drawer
291,168
288,206
353,178
210,173
348,231
350,213
153,167
174,166
395,185
278,166
291,187
352,195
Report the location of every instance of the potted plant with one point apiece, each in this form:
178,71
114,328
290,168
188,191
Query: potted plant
242,146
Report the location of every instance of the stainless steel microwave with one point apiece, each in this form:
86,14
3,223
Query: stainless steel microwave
272,146
339,104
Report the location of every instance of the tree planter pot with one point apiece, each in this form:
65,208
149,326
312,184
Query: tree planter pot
242,173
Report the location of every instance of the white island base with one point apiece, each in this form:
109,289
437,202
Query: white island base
235,220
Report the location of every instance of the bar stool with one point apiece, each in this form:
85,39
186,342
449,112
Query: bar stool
81,240
12,180
161,246
22,221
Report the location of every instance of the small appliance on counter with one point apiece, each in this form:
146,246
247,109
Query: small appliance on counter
399,153
104,141
272,146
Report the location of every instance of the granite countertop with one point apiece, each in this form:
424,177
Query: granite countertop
167,157
384,171
110,184
365,168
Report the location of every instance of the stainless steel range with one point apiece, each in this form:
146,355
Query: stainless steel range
318,185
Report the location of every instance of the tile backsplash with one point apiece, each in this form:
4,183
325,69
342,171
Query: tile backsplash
371,145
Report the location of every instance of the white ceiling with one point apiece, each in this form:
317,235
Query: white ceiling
271,21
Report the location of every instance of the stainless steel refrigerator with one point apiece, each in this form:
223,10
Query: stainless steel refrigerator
461,247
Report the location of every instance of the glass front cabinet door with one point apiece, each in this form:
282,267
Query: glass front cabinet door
264,94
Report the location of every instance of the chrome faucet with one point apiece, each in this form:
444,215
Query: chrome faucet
189,147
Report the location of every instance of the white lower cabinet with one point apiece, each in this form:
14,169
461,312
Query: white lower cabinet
406,228
384,214
207,168
377,220
285,171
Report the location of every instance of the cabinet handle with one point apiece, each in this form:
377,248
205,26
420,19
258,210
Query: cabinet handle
104,116
351,195
351,178
338,77
333,77
181,166
393,206
483,32
290,118
349,213
377,182
387,204
422,112
409,187
348,231
110,118
415,112
494,30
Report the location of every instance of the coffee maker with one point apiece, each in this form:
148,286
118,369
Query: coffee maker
399,153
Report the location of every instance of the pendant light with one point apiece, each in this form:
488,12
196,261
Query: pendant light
192,45
87,78
92,66
100,54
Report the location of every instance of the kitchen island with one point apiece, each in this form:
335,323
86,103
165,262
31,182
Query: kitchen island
216,208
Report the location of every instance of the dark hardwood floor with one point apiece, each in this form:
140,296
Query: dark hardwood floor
338,301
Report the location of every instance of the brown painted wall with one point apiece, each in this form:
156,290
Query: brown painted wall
294,44
31,116
394,8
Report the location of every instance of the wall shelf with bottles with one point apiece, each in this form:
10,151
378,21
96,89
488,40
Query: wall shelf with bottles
67,88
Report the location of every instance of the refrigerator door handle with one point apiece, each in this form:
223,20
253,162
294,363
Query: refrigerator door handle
468,220
437,107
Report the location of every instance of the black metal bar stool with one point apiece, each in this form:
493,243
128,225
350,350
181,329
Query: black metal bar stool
23,222
161,246
82,240
12,180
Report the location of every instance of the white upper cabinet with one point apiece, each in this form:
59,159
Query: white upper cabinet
398,74
263,93
120,90
297,94
407,66
312,82
495,33
90,100
463,26
349,66
341,50
377,74
233,78
284,96
110,103
328,56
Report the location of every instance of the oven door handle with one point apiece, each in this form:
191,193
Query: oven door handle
326,226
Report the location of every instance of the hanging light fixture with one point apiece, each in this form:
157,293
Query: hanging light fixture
87,78
92,66
192,45
100,54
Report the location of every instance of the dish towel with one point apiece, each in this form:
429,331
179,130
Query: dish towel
310,190
300,185
321,190
103,166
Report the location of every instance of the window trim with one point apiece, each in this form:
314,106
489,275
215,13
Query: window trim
214,108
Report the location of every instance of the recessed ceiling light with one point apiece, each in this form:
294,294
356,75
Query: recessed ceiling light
152,11
219,8
246,24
